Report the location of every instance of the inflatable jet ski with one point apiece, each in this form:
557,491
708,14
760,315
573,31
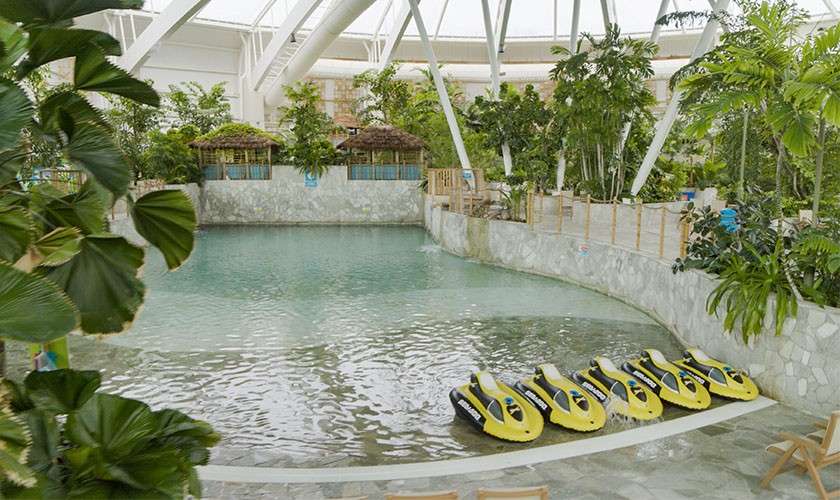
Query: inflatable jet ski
619,391
719,378
496,409
561,401
668,381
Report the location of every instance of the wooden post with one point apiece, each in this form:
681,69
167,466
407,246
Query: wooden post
588,216
684,239
269,163
662,232
614,221
541,207
560,213
638,224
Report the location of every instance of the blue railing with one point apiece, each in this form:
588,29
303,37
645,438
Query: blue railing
237,172
386,172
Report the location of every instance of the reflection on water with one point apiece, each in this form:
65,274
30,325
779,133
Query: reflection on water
311,342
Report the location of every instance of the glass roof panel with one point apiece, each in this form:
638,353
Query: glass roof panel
463,18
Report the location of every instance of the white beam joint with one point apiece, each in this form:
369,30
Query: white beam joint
396,33
167,22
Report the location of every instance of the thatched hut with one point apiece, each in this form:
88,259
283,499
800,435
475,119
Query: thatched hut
384,153
236,151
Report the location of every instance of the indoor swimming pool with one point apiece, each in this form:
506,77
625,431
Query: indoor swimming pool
322,345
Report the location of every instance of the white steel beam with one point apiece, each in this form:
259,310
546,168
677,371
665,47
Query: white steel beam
608,12
501,25
334,22
440,19
167,22
495,79
831,8
297,16
443,95
560,174
396,33
663,127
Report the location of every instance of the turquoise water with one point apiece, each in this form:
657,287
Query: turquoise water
320,345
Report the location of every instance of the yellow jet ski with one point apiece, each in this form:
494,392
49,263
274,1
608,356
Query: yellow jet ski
668,381
496,409
629,398
561,401
718,378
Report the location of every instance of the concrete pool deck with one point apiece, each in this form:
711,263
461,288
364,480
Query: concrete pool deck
723,460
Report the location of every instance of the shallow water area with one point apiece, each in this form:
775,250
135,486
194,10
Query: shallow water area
314,346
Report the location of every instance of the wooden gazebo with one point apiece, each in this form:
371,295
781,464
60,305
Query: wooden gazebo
384,153
236,151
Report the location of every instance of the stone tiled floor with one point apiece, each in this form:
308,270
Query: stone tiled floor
722,461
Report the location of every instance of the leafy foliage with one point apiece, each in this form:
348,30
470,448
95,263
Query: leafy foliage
102,445
131,123
309,147
169,157
192,104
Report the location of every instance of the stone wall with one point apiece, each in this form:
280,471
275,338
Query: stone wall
799,368
285,199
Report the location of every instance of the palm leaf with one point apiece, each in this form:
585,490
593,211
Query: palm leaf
43,13
166,219
16,228
93,72
93,149
33,309
58,246
15,113
52,44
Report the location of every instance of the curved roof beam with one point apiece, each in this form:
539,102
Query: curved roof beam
395,34
325,33
167,22
297,16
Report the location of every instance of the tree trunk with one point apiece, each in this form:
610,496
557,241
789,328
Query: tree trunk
743,156
818,171
780,159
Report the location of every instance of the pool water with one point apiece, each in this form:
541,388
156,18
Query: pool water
339,345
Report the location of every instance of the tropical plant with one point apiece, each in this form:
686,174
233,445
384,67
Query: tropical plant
84,444
132,123
170,158
755,68
309,146
600,96
746,288
513,199
61,269
192,104
384,97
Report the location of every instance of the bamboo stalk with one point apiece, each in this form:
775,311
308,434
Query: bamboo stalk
662,232
560,213
683,239
638,224
614,221
588,216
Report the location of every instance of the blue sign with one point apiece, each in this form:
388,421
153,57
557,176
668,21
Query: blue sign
310,180
468,174
727,220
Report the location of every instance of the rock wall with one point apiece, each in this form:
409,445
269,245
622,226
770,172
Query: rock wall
287,199
800,368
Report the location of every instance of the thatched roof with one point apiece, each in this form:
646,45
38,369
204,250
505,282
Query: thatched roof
235,136
382,138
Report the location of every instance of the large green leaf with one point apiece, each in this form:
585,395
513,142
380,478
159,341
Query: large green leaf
55,110
148,474
84,210
93,72
166,219
32,309
45,440
58,246
116,425
102,282
93,149
46,12
48,45
15,113
15,442
16,228
192,437
12,45
61,391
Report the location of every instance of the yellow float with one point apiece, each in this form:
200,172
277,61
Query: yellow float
494,408
561,401
718,378
668,381
618,391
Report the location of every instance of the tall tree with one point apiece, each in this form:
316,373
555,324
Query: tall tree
191,104
309,147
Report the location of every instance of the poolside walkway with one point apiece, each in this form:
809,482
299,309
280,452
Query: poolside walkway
721,461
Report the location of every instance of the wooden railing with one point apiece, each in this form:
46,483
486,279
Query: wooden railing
442,180
66,181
